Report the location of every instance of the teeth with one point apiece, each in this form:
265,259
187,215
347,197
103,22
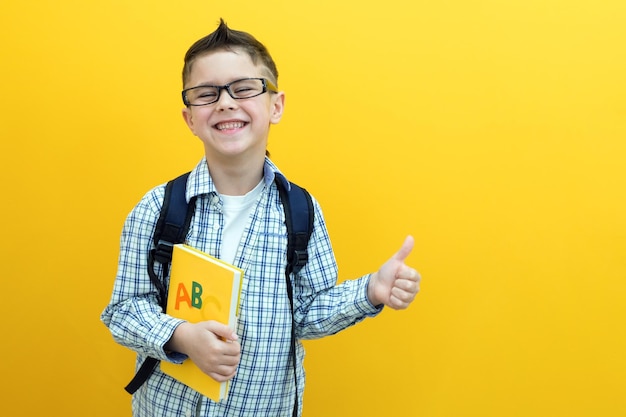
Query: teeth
229,125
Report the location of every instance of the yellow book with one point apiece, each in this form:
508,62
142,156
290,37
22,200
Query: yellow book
201,288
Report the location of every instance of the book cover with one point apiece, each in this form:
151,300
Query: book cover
201,288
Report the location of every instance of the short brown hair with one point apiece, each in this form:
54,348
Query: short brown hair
224,38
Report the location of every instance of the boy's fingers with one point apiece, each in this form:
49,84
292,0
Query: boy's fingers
220,330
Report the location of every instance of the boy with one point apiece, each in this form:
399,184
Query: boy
231,99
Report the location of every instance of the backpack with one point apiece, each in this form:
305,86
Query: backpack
173,224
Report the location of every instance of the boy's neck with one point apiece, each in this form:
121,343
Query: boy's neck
233,178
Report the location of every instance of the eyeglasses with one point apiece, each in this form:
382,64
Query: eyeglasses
238,89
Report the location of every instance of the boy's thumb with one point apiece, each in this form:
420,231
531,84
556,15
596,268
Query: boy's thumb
405,249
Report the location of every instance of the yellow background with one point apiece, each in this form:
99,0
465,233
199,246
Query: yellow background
493,131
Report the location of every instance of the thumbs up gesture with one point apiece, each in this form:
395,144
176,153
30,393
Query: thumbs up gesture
395,284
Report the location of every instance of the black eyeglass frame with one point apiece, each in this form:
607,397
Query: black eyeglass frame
267,86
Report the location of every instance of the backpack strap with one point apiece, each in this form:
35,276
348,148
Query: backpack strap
299,217
171,228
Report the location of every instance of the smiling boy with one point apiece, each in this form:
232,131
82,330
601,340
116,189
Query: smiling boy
231,100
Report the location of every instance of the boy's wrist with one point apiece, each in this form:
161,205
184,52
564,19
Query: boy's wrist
371,290
177,341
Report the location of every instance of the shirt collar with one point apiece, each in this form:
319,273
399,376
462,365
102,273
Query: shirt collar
200,181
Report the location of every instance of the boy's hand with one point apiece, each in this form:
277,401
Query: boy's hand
212,346
395,284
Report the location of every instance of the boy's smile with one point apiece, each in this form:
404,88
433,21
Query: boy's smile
230,125
232,128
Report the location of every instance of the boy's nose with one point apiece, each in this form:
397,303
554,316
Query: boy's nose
225,101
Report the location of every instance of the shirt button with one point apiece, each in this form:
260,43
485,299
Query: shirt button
214,200
216,226
187,413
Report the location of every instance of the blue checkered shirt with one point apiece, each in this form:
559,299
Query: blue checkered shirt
264,383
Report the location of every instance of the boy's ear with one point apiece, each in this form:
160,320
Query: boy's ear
188,119
278,106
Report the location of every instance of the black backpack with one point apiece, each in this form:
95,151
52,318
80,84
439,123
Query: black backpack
172,227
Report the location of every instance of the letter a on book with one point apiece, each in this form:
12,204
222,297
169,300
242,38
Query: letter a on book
201,288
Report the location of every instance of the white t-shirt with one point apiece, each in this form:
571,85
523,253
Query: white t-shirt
236,211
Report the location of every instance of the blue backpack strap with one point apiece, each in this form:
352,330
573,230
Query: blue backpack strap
299,218
171,228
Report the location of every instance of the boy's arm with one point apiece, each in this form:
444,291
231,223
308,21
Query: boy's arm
322,307
133,315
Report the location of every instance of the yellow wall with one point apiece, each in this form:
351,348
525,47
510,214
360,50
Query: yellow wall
494,131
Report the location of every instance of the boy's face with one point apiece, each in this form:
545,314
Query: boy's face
232,128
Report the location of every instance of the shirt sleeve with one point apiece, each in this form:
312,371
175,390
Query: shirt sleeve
321,306
133,314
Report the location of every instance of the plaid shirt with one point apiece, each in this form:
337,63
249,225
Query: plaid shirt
264,383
